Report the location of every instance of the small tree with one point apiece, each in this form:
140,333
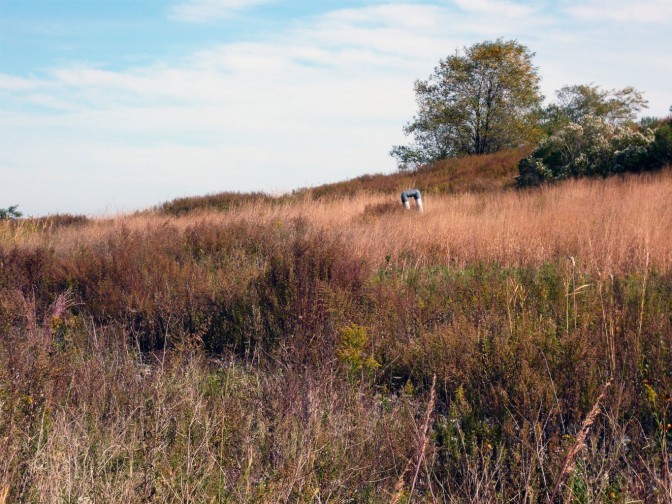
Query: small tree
616,106
478,102
10,213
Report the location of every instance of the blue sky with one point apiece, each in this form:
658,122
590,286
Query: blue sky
109,106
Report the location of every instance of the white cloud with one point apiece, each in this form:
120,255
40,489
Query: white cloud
12,83
496,7
322,102
642,11
208,10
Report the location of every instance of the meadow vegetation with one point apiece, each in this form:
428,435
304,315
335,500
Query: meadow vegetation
331,347
592,146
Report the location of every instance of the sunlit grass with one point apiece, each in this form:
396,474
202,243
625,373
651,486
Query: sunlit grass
284,350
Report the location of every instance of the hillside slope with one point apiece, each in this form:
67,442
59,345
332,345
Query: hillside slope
488,172
471,173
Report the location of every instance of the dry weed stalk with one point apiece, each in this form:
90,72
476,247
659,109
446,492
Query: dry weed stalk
399,487
570,460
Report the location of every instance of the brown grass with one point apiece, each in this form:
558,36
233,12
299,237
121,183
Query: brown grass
490,172
611,225
203,358
569,464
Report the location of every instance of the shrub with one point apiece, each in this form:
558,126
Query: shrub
592,146
10,212
660,150
352,350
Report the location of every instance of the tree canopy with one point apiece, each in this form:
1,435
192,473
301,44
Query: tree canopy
616,106
479,101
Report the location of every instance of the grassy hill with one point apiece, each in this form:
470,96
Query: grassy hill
469,174
473,173
329,346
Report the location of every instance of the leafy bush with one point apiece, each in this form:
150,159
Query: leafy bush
352,350
10,212
616,106
593,146
660,150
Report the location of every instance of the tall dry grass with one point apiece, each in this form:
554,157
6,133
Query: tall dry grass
286,351
89,419
489,172
611,226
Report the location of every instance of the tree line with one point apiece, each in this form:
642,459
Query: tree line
486,98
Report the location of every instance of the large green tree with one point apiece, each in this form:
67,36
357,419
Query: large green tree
481,100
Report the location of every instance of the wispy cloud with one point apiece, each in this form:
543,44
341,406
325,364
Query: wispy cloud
642,11
496,7
13,83
320,102
209,10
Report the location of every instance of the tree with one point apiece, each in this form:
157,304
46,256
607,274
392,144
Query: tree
478,102
616,106
10,213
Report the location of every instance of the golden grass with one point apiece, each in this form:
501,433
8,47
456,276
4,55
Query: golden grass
609,226
488,172
270,412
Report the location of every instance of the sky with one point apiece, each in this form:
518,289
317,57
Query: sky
110,106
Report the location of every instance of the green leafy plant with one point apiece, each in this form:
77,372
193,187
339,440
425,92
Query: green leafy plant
617,107
660,150
353,350
10,213
594,146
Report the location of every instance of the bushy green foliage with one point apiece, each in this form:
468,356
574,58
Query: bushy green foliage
594,146
355,350
10,212
660,150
